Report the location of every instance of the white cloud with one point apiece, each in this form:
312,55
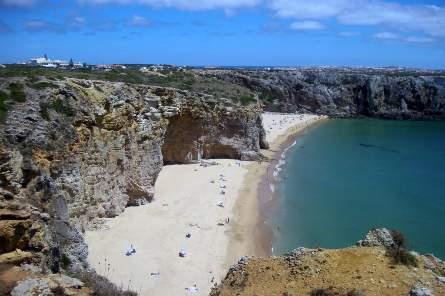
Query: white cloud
428,19
140,21
414,39
184,4
307,25
387,36
389,15
397,37
77,22
34,26
301,9
348,34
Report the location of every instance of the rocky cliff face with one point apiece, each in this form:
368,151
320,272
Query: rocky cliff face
346,93
74,150
213,131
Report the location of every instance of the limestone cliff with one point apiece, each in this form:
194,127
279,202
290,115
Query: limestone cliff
346,92
76,150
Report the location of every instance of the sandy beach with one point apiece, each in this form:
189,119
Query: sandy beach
216,204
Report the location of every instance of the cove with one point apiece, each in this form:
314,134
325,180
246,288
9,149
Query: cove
347,176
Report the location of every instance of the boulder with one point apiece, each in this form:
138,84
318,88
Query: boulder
420,291
16,257
378,237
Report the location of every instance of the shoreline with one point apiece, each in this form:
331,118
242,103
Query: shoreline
271,177
256,198
158,230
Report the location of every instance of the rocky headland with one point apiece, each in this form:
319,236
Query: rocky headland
345,92
366,269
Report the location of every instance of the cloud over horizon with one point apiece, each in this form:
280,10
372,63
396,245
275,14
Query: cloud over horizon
307,25
305,15
140,21
428,19
403,30
183,4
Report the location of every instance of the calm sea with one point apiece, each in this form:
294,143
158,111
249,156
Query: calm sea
347,176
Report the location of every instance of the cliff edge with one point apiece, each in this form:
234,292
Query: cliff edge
73,151
370,268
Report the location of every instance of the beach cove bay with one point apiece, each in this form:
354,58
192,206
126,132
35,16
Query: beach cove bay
347,176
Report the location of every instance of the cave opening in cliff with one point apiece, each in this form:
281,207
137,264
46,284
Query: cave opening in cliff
189,139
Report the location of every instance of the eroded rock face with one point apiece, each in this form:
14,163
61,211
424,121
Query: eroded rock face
347,93
81,150
213,131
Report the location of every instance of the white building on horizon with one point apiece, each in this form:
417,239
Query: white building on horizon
48,63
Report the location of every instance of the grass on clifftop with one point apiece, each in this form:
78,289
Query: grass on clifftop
180,79
3,105
16,94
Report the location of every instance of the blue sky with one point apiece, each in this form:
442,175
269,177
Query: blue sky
227,32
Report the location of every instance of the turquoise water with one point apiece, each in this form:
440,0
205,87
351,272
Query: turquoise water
347,176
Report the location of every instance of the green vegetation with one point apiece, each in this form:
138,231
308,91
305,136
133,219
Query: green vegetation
43,84
180,79
101,286
268,96
65,261
399,253
58,105
44,111
3,105
62,107
246,99
16,92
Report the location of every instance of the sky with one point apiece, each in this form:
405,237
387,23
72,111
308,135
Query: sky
408,33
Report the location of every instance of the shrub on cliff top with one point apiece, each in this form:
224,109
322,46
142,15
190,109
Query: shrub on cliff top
16,92
61,106
43,84
101,286
246,99
3,106
399,253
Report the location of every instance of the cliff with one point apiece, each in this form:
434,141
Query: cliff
369,269
76,150
346,93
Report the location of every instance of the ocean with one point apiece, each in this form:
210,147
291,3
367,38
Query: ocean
347,176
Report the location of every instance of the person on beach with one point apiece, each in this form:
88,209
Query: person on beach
130,251
192,289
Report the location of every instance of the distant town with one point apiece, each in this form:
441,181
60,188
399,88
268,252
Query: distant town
47,62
